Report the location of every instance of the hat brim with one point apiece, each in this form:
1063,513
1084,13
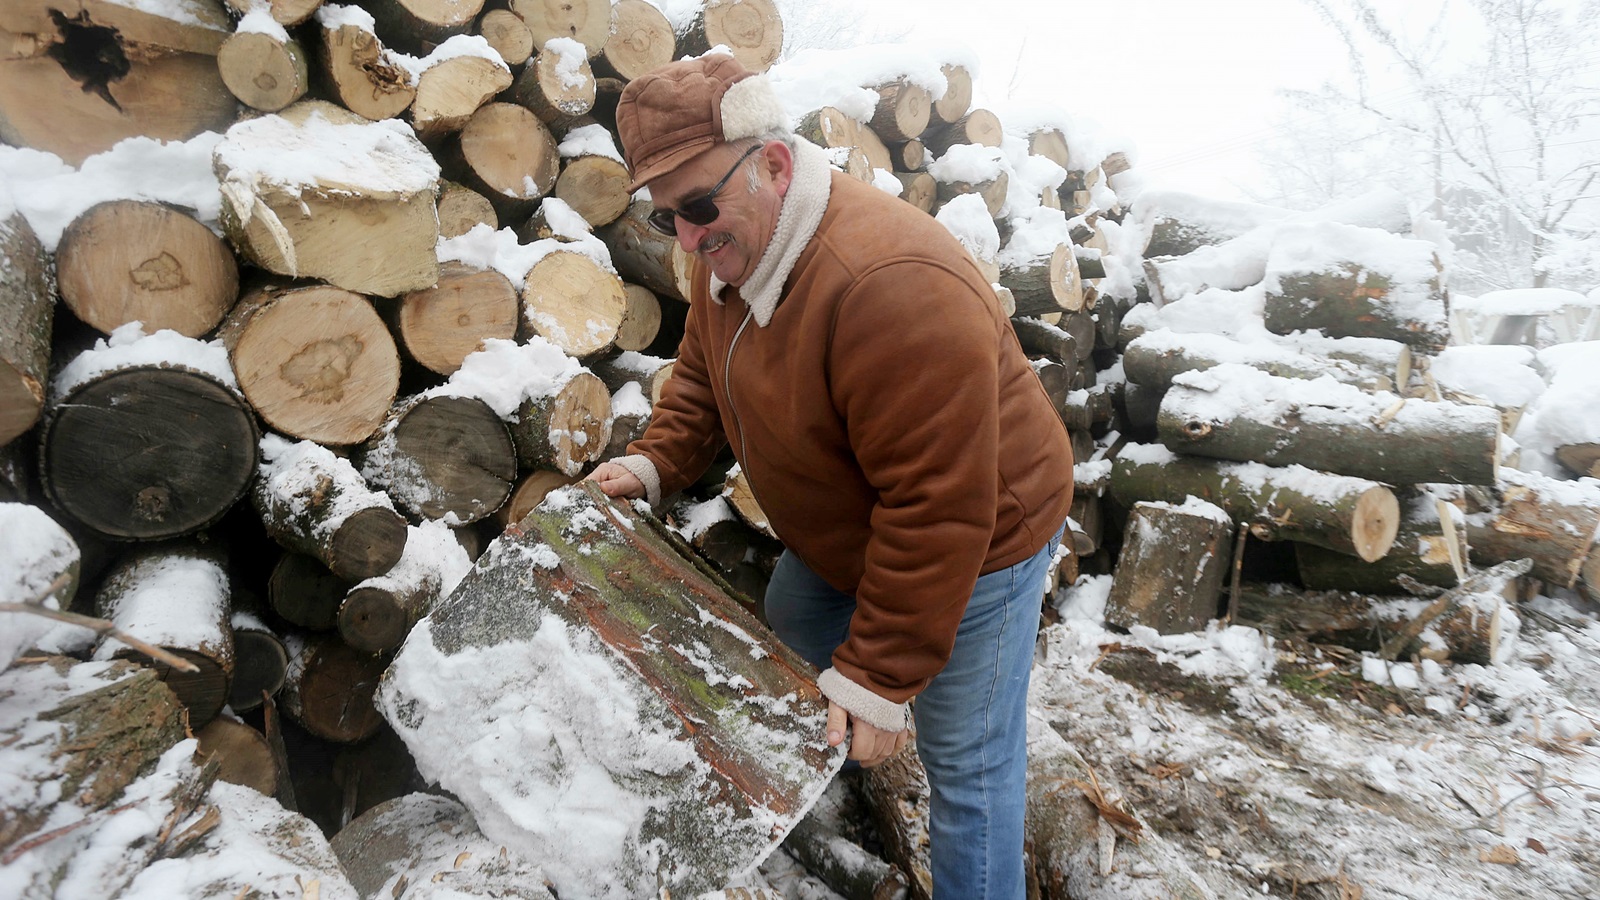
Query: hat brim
668,162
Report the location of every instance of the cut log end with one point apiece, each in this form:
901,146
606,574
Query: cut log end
1375,523
373,620
202,692
368,543
259,664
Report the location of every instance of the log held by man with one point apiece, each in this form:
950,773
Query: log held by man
630,672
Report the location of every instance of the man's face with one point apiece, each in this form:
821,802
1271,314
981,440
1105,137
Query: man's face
732,243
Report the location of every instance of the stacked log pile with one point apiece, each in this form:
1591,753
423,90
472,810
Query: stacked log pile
432,302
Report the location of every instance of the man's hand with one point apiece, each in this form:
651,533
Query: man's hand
869,744
616,481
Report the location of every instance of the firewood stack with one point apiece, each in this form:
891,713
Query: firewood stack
432,302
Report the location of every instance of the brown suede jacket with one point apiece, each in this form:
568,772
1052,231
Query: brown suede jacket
889,424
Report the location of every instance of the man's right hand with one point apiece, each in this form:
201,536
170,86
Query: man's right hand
616,481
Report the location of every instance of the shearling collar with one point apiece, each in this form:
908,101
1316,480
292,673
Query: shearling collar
798,218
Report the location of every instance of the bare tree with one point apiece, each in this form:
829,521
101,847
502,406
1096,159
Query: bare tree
1494,126
832,25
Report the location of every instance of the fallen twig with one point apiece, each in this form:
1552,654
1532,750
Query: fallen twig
104,628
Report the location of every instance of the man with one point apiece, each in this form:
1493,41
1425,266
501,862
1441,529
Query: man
851,353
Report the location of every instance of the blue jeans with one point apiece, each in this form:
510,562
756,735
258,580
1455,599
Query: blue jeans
971,720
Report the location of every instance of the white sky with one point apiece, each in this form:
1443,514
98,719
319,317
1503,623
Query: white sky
1189,85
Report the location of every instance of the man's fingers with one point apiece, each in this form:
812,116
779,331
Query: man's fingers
837,719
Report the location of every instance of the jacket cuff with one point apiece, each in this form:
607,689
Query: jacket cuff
862,703
644,470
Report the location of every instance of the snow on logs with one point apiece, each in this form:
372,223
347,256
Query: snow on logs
27,314
317,504
585,607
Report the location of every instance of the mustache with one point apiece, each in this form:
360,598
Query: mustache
712,241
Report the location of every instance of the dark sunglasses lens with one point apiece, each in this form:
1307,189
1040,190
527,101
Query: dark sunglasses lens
662,221
700,211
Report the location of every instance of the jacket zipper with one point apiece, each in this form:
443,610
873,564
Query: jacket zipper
727,388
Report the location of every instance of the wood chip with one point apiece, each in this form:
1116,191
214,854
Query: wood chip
1500,855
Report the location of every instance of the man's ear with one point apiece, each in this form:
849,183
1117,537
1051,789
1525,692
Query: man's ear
779,160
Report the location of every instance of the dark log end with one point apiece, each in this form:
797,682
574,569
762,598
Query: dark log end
369,543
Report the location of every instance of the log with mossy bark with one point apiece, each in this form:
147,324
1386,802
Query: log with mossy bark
265,71
401,846
27,315
317,504
294,203
1355,301
174,596
597,587
645,256
1550,521
360,73
751,29
74,85
1351,515
315,362
441,457
143,452
1240,413
123,261
1174,563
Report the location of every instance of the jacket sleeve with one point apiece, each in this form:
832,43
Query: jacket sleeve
685,430
915,374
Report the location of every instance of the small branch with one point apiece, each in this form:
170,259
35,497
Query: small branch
104,628
48,836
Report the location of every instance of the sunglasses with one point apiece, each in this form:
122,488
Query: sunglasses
702,210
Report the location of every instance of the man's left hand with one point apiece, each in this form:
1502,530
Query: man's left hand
869,744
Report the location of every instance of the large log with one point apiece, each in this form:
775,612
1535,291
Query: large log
1154,358
1046,285
641,40
645,256
1341,280
174,596
356,69
317,504
442,457
565,428
573,302
414,25
586,21
507,34
27,313
380,611
402,846
266,69
440,325
1421,552
330,688
1552,522
77,78
1239,413
316,362
143,452
621,668
595,186
902,111
558,85
319,192
506,154
1174,562
304,593
1071,834
957,97
454,87
752,29
1351,515
134,261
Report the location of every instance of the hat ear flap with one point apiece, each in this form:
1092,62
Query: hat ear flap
750,108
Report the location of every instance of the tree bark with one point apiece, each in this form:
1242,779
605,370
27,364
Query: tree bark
551,94
596,187
74,85
902,111
399,847
460,209
316,362
372,229
1154,358
608,591
957,98
1358,302
241,752
174,596
1047,285
978,126
506,154
27,314
573,303
586,21
641,40
315,503
1284,421
442,457
1552,522
362,76
752,29
1174,562
144,452
305,593
644,256
1347,514
442,325
330,686
417,25
1040,339
262,71
507,34
133,260
566,429
896,796
450,91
